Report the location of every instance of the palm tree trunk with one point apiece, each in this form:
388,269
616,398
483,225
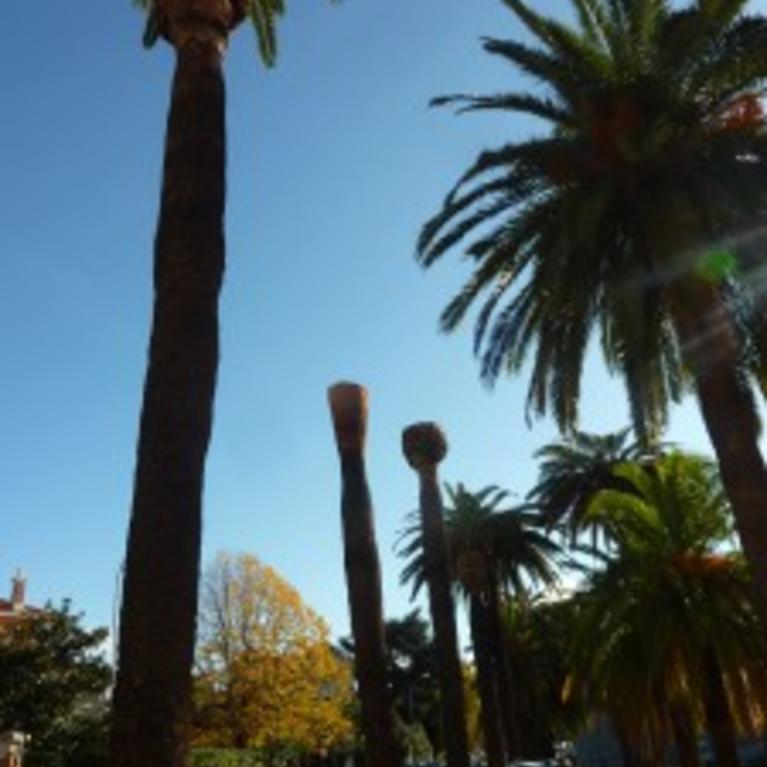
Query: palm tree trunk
710,349
685,737
628,749
363,578
514,745
719,721
158,616
425,446
486,682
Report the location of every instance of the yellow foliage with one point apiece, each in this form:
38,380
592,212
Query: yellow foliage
267,674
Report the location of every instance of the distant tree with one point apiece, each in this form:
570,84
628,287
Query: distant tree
53,683
411,669
267,676
412,672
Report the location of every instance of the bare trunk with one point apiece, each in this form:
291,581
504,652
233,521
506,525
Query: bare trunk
425,447
719,721
486,682
628,749
685,737
443,620
158,616
363,578
503,671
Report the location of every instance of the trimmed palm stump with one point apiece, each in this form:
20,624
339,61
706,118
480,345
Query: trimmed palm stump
349,409
425,446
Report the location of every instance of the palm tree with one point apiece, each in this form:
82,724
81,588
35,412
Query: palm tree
641,211
491,549
538,636
158,614
573,470
425,447
666,631
348,404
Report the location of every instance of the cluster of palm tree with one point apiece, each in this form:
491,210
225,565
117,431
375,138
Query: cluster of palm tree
667,639
641,211
661,635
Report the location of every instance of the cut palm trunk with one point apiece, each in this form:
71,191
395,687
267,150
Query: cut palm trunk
158,616
424,446
348,404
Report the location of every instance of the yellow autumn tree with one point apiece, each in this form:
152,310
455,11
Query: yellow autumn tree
267,676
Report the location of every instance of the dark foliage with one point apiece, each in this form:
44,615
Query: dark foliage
54,682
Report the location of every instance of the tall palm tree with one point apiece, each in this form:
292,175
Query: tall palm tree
667,632
425,447
348,404
641,211
158,614
491,548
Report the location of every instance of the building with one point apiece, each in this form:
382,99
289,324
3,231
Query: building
11,610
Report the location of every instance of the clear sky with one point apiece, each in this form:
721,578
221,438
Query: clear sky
334,162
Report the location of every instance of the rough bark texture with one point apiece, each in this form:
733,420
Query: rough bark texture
719,722
685,737
424,446
710,349
363,578
443,620
486,682
158,615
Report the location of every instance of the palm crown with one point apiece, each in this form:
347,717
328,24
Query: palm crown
574,470
668,595
654,169
505,546
263,15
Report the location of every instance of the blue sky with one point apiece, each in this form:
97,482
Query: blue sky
334,162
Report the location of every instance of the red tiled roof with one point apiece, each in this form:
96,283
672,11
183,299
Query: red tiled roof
8,615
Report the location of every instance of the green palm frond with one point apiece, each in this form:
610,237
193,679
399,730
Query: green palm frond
263,14
665,596
513,542
646,108
546,109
